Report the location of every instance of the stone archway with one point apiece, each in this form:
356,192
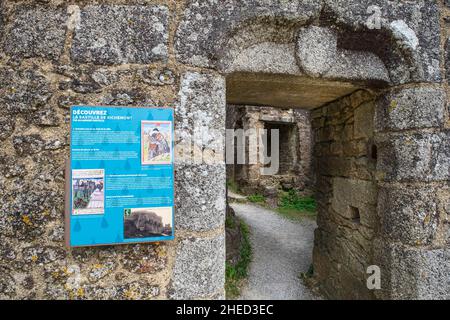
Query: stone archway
343,130
319,55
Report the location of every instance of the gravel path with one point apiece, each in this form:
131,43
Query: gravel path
282,249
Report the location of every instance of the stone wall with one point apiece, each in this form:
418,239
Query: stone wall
303,53
382,168
53,55
413,172
294,154
346,193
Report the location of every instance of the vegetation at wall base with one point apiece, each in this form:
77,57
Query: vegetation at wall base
256,198
235,275
308,274
294,206
230,222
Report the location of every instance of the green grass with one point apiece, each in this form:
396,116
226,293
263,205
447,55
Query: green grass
308,274
234,275
294,206
230,222
256,198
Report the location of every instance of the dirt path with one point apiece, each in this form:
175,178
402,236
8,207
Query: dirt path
282,249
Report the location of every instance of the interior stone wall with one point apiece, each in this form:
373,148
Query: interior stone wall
346,194
295,149
388,156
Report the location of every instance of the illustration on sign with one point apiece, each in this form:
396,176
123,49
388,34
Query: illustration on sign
154,142
120,176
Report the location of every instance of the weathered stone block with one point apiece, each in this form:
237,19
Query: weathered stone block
206,25
447,59
444,202
409,214
350,195
355,148
363,168
344,132
200,119
202,101
43,255
413,273
317,54
199,198
419,156
135,290
359,66
33,143
199,268
7,283
114,34
410,31
12,167
339,266
265,57
36,32
23,91
364,118
409,108
7,124
324,134
316,49
334,166
2,19
321,259
143,258
407,43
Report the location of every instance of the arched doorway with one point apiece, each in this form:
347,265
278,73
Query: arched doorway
289,54
304,75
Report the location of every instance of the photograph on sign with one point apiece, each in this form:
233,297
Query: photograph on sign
88,191
156,142
147,222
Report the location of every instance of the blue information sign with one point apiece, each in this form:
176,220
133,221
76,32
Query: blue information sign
120,181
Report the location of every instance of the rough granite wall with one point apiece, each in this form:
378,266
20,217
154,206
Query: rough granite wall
413,170
55,53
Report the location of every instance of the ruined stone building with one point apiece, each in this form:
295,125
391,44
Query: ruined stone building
294,134
373,74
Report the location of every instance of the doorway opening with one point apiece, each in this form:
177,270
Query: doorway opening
327,161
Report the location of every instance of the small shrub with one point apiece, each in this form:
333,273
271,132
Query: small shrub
292,200
235,274
308,274
256,198
229,222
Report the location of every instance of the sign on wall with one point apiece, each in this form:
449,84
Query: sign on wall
120,181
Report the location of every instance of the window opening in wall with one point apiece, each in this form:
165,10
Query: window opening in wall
287,145
374,152
355,215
